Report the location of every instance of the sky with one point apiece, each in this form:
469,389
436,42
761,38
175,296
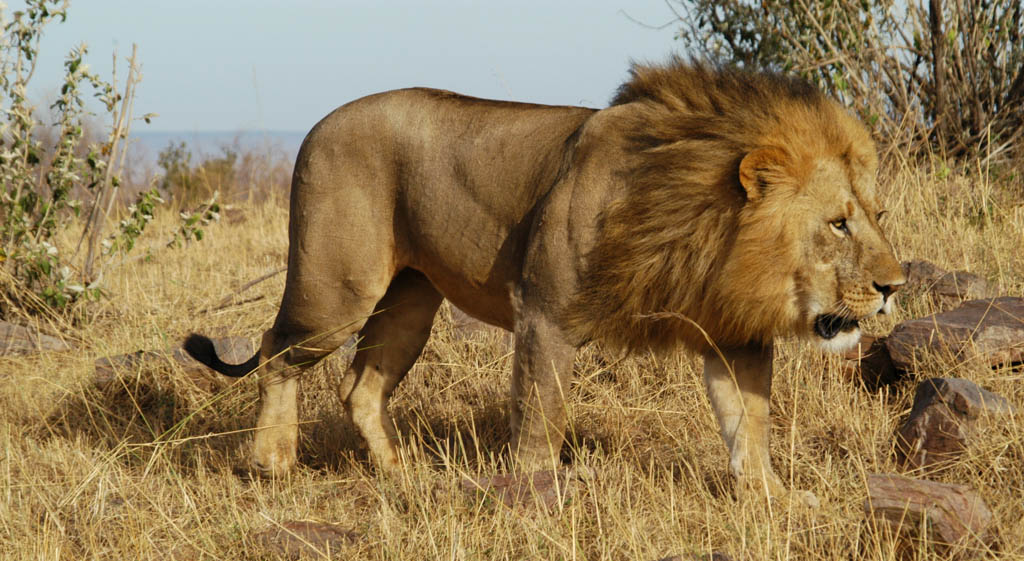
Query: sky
261,65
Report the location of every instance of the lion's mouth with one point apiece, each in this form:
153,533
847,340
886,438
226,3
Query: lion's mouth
827,326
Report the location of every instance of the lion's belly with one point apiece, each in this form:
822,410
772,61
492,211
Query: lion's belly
491,304
468,238
477,272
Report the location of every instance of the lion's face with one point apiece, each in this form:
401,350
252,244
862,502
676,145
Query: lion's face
812,254
850,270
689,257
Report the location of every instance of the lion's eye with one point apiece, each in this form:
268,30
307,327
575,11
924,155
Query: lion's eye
881,214
839,227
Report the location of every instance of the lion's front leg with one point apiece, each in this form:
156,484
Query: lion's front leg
541,373
740,393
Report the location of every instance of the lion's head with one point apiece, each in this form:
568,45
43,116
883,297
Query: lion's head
750,213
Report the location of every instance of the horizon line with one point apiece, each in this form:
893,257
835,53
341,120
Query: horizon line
219,131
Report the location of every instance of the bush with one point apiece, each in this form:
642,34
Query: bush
187,183
238,173
176,161
927,76
44,188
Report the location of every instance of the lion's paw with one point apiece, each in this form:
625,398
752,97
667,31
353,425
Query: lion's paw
804,498
773,489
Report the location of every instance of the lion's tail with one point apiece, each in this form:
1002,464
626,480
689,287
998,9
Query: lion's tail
201,348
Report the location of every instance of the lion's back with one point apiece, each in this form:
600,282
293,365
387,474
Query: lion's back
454,178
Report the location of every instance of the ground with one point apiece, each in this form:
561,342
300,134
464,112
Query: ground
157,471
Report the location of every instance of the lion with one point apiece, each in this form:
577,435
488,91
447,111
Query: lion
708,207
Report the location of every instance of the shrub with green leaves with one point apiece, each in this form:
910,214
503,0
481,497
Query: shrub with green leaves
44,188
188,183
193,221
929,76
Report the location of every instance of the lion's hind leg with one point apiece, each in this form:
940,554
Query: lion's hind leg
284,355
389,344
302,335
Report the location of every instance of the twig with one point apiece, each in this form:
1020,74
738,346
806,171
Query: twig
228,303
107,190
227,299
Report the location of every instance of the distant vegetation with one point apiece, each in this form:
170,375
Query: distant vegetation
68,213
931,77
234,174
45,187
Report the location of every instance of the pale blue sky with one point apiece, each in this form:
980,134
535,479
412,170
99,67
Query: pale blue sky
228,65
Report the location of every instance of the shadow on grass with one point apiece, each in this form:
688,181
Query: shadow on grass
136,414
142,413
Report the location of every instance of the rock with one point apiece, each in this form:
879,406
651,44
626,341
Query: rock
991,331
232,214
465,325
870,363
297,538
919,271
955,513
713,556
945,289
19,340
463,322
466,328
942,420
549,488
232,350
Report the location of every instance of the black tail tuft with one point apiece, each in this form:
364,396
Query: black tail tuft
201,348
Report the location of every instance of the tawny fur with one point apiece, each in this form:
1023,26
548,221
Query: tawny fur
679,245
741,202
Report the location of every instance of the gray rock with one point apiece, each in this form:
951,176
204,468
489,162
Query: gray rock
20,340
944,288
230,349
943,420
713,556
990,330
465,326
870,364
547,488
296,539
955,513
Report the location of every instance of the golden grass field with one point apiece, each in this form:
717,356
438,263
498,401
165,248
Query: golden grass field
159,472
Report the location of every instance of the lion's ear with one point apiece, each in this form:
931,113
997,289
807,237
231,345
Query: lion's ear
762,167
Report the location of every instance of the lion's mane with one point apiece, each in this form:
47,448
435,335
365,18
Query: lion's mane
683,249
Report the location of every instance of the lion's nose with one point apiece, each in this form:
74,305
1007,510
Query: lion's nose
886,289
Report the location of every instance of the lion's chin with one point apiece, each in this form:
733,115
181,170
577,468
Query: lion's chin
836,334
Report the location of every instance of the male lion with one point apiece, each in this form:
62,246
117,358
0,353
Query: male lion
712,208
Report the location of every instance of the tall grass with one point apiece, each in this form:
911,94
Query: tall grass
156,469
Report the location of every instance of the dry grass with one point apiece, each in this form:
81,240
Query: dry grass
156,472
